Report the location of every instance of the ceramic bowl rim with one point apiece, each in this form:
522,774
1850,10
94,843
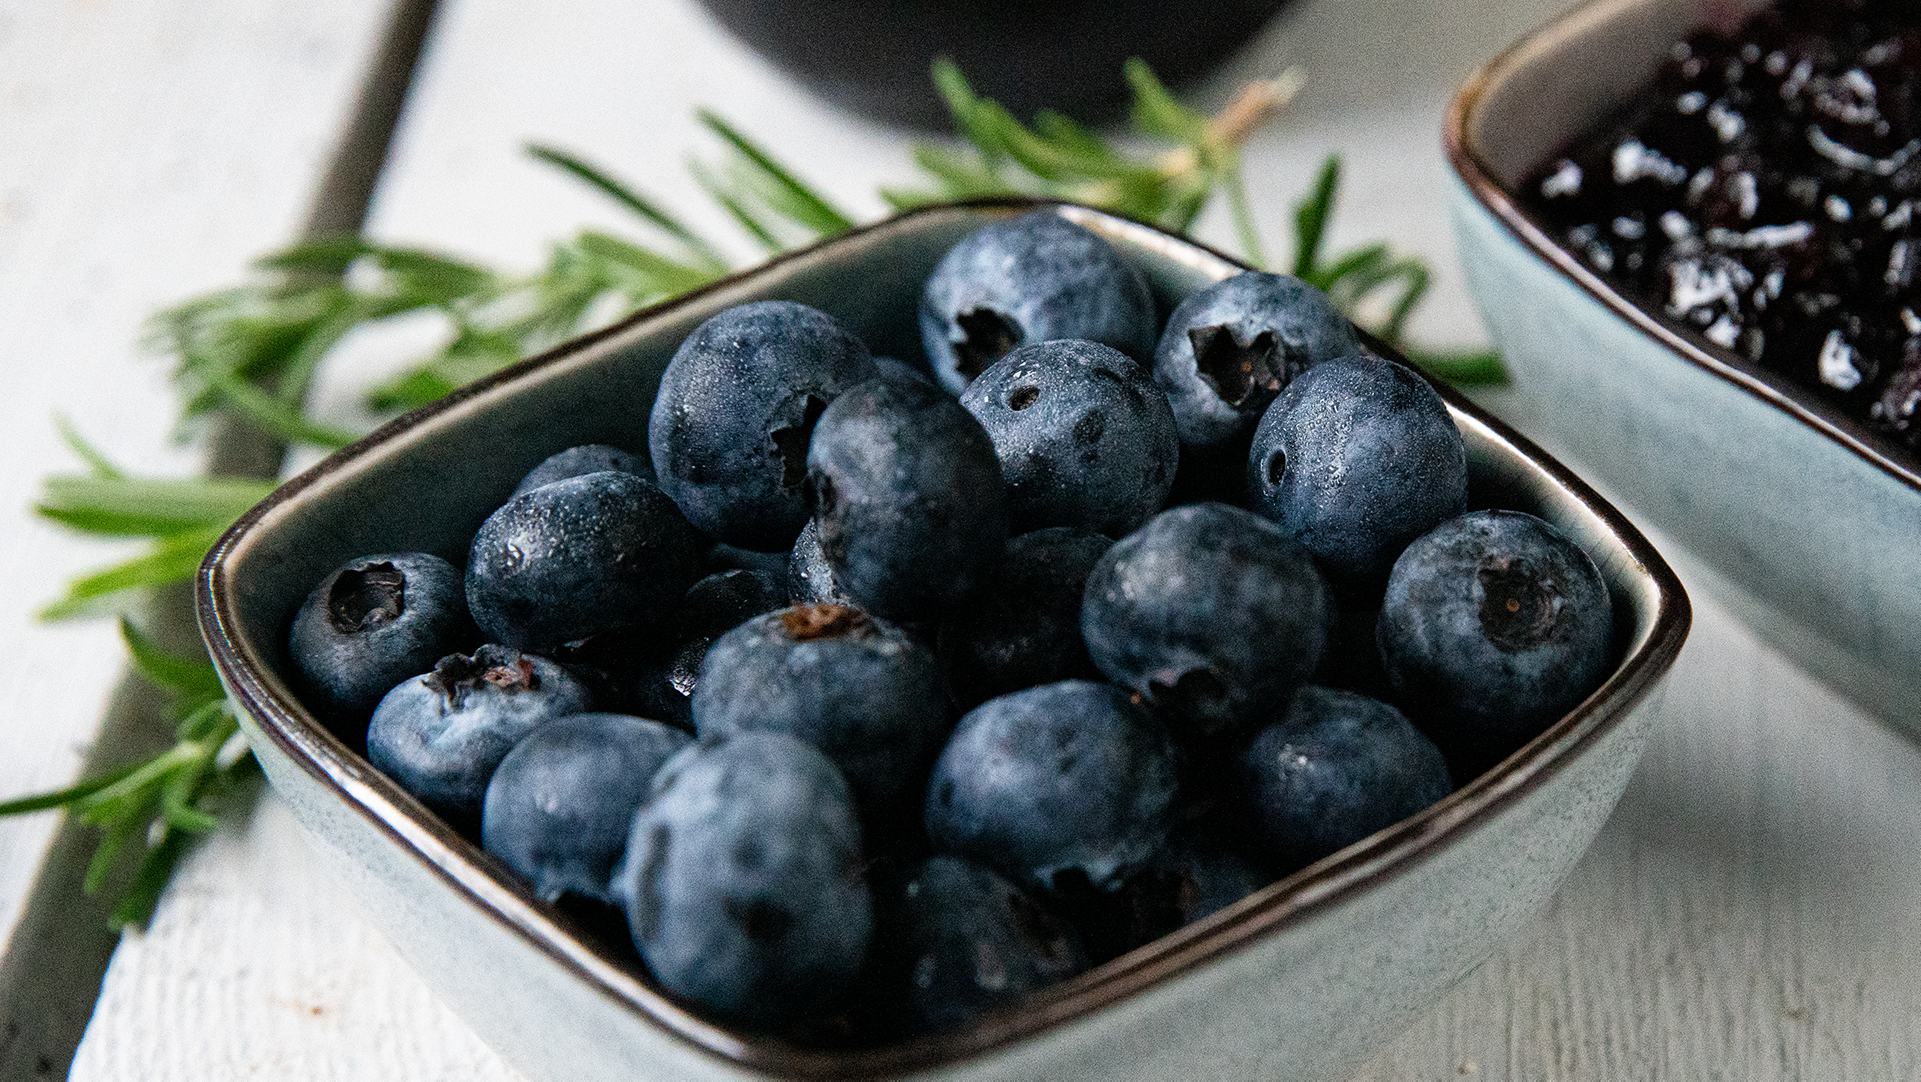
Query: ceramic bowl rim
1773,389
1394,852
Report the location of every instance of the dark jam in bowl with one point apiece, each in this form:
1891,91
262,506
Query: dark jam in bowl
1763,192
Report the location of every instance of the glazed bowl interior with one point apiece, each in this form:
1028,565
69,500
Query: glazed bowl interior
426,481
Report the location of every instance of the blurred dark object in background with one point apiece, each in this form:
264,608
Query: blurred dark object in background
872,56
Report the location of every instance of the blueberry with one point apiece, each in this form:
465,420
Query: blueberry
893,368
735,410
1351,661
861,691
652,672
743,880
1494,625
810,578
1022,625
1084,436
1194,874
724,557
1206,874
580,461
617,668
373,622
579,557
1209,612
1229,349
560,804
663,685
723,600
1334,769
908,496
441,734
953,941
1026,280
1066,782
1357,458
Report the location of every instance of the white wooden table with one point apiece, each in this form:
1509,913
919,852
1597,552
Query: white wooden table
1752,911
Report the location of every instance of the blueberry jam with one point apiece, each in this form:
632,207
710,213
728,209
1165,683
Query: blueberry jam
1761,192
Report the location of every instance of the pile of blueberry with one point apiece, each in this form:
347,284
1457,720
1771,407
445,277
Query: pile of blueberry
1762,193
879,695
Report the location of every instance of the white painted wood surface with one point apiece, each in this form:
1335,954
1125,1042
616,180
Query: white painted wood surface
148,150
1753,911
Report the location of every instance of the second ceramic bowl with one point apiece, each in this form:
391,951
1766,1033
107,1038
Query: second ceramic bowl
1809,522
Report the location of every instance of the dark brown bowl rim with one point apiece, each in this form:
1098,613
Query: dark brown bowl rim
1769,387
1391,853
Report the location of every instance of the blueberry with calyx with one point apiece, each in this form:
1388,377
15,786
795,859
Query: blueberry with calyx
441,734
1230,349
860,690
371,623
1495,624
1027,280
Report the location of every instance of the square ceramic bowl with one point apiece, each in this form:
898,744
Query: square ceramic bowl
1808,521
1301,980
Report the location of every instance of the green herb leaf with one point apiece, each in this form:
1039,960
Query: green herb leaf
101,466
1311,215
147,506
1243,216
111,842
135,907
195,677
1155,111
60,798
466,359
795,198
173,559
652,276
964,107
273,414
1466,368
414,278
629,197
322,256
736,208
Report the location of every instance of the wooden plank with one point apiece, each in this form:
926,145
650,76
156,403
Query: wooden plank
153,147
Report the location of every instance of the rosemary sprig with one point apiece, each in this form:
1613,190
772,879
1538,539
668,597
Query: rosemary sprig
180,517
253,350
161,803
1354,279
